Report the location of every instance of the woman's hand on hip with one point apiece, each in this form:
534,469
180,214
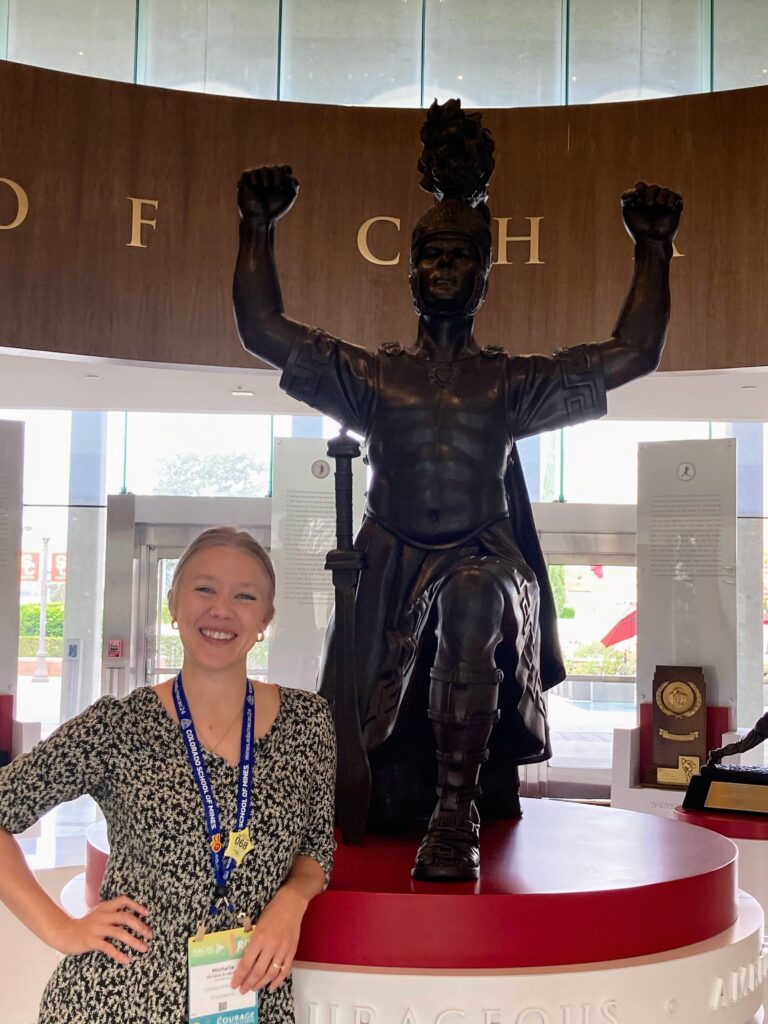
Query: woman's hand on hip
268,957
117,920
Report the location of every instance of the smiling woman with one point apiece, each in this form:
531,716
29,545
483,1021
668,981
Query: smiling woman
222,595
228,781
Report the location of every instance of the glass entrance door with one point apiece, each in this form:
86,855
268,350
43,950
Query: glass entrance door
590,554
596,609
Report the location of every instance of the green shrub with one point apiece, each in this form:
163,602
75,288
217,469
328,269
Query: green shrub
596,660
557,582
29,619
54,646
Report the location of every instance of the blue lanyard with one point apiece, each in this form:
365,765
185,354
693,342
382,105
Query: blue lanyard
223,866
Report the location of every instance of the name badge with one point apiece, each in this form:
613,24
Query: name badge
211,962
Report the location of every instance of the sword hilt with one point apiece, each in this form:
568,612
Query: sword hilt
342,449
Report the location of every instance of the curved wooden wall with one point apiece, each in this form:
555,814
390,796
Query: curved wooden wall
78,154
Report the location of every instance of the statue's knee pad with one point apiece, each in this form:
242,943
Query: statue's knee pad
471,608
476,580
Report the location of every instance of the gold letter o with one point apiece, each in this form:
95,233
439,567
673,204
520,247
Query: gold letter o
23,204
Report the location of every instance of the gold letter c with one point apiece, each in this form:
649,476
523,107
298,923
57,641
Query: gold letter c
362,241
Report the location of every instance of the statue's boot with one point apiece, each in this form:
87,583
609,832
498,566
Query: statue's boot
463,710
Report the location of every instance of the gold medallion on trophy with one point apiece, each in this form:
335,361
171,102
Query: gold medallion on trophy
679,698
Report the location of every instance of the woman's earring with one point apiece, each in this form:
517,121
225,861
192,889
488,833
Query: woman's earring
174,624
260,637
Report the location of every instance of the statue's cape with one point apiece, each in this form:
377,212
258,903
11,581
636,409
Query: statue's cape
527,537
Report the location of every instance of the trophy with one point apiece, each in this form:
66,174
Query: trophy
679,723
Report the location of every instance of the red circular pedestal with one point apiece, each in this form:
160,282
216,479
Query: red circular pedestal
566,884
733,824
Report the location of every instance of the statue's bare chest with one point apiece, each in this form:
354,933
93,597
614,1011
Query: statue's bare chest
457,406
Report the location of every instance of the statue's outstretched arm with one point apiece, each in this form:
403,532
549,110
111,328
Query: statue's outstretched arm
651,216
263,196
756,735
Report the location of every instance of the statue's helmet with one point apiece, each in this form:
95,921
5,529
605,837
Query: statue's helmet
456,165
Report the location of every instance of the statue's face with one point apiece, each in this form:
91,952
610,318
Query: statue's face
447,269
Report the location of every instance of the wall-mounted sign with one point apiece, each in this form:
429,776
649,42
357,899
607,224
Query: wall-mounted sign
59,567
30,567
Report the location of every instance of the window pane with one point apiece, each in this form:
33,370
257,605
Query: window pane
629,50
46,454
58,685
597,626
199,454
86,37
612,477
741,43
218,46
493,55
352,51
40,700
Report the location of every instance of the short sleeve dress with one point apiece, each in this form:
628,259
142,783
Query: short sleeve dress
129,756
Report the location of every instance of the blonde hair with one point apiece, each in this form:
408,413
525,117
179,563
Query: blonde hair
227,537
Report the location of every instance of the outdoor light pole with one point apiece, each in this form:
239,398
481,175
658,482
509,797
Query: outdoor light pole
41,664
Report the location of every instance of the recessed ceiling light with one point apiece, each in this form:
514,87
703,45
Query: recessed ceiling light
92,376
749,387
239,393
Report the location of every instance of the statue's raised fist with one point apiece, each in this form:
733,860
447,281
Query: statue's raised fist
266,193
651,213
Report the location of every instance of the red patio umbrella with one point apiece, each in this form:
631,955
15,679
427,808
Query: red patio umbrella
624,629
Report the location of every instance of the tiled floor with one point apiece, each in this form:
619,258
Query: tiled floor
55,850
25,962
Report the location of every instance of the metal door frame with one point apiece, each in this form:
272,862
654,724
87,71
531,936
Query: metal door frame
150,556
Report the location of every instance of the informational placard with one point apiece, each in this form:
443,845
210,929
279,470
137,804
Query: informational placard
11,477
303,532
686,562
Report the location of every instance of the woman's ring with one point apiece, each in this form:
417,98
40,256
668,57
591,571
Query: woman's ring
279,967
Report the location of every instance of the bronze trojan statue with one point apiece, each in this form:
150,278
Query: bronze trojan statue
455,623
756,735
